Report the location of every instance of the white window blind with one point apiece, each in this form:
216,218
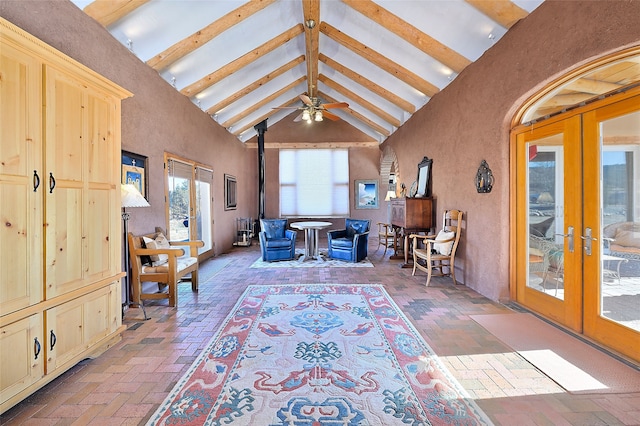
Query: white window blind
314,182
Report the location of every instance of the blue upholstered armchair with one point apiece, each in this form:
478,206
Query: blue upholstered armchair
349,244
277,242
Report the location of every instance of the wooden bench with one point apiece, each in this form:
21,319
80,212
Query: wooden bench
166,274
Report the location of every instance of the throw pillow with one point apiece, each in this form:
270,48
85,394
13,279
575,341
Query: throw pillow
444,248
160,242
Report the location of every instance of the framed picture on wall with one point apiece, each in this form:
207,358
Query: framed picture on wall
135,171
366,194
230,200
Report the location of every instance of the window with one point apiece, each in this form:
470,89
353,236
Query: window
314,182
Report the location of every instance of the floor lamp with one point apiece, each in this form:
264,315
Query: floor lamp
130,197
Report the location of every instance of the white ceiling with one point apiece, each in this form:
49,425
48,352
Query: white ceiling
391,76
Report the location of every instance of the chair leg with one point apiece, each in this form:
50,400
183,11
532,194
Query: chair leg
173,294
194,281
415,262
429,272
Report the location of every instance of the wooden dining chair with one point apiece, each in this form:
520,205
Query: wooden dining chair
438,252
386,236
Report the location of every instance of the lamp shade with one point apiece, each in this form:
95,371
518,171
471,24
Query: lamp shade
390,195
131,197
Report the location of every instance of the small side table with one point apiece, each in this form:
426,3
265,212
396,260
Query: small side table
311,228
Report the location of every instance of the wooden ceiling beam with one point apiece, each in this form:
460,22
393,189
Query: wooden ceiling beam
259,104
360,100
375,126
566,100
368,84
243,61
255,85
208,33
311,15
410,34
106,12
505,13
594,87
379,60
241,130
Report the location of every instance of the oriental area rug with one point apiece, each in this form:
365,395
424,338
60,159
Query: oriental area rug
317,354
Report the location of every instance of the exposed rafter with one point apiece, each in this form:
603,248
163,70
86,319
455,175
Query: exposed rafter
199,38
109,11
411,34
242,61
393,68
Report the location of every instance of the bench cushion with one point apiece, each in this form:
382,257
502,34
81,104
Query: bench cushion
163,268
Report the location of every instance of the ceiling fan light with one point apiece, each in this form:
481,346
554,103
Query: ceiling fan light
305,115
318,116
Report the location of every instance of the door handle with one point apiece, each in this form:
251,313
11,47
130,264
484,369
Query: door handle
587,241
568,235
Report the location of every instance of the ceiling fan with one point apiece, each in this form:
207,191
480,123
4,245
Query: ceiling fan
314,110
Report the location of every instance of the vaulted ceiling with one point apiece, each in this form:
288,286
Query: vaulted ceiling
239,60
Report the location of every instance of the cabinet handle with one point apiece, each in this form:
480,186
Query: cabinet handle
36,180
36,348
52,183
53,339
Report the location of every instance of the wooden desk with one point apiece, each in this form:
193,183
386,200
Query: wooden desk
410,215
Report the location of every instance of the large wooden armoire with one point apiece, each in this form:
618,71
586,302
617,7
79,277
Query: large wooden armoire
60,236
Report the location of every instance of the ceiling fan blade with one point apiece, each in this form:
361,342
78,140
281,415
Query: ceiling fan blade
298,118
335,105
306,100
330,116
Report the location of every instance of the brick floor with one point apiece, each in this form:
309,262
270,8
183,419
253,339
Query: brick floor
127,383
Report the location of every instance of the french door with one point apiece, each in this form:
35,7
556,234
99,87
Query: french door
578,221
190,203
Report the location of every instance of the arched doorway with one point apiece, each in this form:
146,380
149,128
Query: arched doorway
576,153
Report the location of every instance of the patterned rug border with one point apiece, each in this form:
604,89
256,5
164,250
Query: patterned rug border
327,263
464,395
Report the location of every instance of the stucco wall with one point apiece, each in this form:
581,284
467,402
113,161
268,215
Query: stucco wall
470,120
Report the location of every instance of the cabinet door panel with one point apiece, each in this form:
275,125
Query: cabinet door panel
99,232
79,324
102,231
66,162
20,157
65,241
101,129
22,353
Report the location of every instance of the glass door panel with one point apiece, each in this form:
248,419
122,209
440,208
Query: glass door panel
545,207
179,208
548,265
612,184
203,200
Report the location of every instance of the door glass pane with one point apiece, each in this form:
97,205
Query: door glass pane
203,214
620,192
179,208
545,202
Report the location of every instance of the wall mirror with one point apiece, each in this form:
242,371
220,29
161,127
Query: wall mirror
424,178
